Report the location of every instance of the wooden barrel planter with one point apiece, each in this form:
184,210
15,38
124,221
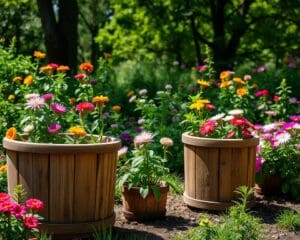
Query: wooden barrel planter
75,181
136,208
214,168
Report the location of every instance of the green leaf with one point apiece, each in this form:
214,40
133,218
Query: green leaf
144,190
156,192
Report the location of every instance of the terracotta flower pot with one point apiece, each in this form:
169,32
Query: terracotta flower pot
75,181
137,208
214,168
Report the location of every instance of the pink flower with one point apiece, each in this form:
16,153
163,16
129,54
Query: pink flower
276,98
47,96
6,206
264,93
30,222
267,136
58,108
54,128
288,125
247,77
122,151
35,103
34,204
143,137
258,164
246,133
201,68
85,106
80,76
4,197
231,134
18,211
295,118
209,106
207,127
53,65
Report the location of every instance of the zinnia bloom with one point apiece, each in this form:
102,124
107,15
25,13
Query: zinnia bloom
225,84
35,103
28,80
241,91
30,222
54,128
46,69
217,117
238,121
100,99
17,79
3,168
207,127
166,142
85,106
11,133
225,74
258,164
143,91
34,204
58,108
122,151
295,118
39,54
18,211
87,66
6,206
231,134
246,133
203,83
4,197
238,80
77,131
11,97
80,76
62,68
116,108
143,137
236,112
264,93
47,96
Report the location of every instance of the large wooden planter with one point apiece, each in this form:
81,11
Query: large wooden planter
75,181
214,168
136,208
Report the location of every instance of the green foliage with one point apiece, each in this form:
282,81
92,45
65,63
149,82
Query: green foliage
237,224
289,220
3,174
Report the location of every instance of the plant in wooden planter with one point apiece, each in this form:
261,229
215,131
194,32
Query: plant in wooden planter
144,193
63,157
278,158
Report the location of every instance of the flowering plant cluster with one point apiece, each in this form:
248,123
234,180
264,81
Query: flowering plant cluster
145,169
279,153
19,221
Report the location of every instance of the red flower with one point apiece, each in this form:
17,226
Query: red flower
80,76
34,204
30,222
4,197
88,67
207,127
238,121
246,133
85,106
209,106
6,207
264,93
276,98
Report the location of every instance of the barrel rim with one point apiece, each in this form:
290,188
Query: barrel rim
218,142
112,144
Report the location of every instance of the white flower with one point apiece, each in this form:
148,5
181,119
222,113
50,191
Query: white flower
292,100
296,126
28,128
167,142
160,92
271,113
132,99
143,91
141,121
142,101
269,127
32,95
122,151
235,112
168,87
143,137
217,117
227,118
282,138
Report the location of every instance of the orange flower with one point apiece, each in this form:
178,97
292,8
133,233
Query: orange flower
88,67
224,75
11,133
116,108
28,80
241,91
62,68
39,54
3,168
100,99
77,131
225,84
17,79
130,93
47,68
239,81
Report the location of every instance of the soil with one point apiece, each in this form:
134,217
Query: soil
180,218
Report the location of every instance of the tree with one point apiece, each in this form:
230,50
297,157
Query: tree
60,30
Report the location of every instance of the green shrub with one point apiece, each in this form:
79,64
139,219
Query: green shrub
288,219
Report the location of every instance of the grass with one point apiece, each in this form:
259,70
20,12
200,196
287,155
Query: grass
288,219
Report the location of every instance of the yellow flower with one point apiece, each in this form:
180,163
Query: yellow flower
225,84
77,131
224,75
203,83
3,168
239,80
199,104
254,85
17,79
39,54
116,108
11,133
100,99
241,91
28,80
11,97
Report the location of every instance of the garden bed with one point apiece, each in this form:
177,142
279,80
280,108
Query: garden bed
181,218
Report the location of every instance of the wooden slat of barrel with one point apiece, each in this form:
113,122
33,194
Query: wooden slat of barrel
190,170
225,178
251,167
25,172
40,184
112,182
61,188
12,170
85,187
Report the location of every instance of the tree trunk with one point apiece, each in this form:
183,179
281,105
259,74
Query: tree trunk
60,35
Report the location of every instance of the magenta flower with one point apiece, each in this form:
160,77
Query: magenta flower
258,164
85,106
4,197
201,68
53,65
30,222
207,127
47,96
267,136
54,128
58,108
288,125
264,93
34,204
80,76
18,211
295,118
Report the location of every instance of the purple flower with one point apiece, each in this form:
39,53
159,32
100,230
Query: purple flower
128,125
58,108
138,129
54,128
106,115
125,137
47,96
298,147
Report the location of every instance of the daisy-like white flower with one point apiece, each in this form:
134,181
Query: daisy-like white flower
132,99
28,128
168,87
217,117
228,118
142,101
143,137
271,113
141,121
235,112
35,103
31,95
282,137
143,91
160,92
269,127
